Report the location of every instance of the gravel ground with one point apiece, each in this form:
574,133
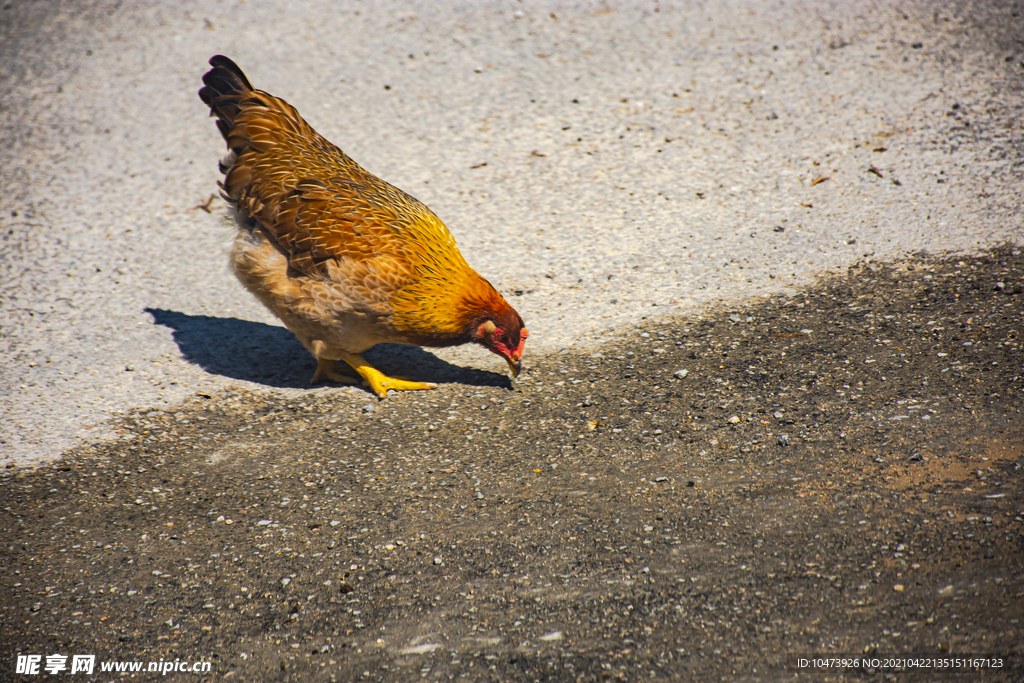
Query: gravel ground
833,470
603,163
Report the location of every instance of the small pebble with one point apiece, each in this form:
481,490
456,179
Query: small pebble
734,420
784,440
369,408
438,560
285,581
777,415
681,374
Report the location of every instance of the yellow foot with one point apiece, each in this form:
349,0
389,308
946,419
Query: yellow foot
326,368
378,381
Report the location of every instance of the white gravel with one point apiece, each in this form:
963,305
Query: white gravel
638,163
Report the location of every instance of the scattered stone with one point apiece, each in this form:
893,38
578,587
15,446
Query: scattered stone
438,560
681,374
784,440
369,408
420,649
734,420
285,581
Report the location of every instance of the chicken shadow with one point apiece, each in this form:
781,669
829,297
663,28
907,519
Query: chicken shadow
272,356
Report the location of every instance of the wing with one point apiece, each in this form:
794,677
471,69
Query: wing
331,217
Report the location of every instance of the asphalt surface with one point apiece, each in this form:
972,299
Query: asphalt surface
811,213
836,472
607,162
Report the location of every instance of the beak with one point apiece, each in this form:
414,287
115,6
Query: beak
514,366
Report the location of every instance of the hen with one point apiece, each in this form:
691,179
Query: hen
344,259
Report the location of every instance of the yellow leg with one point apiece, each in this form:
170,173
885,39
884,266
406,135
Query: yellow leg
326,368
378,381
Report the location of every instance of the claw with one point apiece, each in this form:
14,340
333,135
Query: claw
380,383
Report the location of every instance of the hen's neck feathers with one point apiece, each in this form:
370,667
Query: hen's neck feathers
447,298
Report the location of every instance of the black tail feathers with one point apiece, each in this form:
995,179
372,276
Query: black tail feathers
223,86
225,78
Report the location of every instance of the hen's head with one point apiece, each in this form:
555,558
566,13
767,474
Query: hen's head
505,335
